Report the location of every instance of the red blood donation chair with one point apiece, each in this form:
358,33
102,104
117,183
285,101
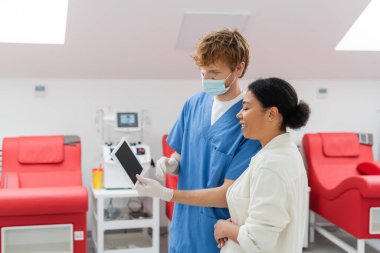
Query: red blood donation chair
345,186
41,184
171,180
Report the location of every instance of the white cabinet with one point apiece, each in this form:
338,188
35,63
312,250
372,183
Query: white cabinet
374,220
130,242
37,239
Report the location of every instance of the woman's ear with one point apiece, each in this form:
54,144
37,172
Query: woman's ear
273,113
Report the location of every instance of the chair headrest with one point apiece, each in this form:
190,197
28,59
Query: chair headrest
340,144
41,149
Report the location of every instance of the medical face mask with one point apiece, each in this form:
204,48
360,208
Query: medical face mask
215,87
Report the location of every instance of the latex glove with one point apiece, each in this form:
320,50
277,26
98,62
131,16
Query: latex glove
165,166
147,187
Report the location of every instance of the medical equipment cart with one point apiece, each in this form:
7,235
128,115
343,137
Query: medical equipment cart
100,224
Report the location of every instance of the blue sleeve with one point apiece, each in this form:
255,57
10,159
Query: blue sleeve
175,136
247,149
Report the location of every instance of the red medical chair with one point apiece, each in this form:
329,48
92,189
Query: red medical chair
41,184
345,186
171,181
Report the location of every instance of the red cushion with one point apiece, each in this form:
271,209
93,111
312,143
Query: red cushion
369,168
40,150
40,201
340,144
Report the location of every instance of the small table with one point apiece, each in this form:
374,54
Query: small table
100,225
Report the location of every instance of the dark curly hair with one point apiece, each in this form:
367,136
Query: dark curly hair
279,93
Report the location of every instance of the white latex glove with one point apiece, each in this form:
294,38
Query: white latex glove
165,166
147,187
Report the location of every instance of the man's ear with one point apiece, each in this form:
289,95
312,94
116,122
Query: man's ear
240,68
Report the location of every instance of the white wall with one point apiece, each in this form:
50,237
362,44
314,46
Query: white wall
71,104
70,107
352,105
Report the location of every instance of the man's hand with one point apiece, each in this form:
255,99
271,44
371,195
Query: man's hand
147,187
165,166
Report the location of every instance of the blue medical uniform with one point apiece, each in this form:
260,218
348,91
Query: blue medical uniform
209,154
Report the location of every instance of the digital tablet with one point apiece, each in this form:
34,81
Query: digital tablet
125,158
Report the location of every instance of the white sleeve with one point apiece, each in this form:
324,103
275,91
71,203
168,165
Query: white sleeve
267,213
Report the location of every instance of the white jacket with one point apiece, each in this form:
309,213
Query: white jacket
269,201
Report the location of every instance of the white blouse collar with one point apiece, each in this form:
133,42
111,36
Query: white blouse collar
279,140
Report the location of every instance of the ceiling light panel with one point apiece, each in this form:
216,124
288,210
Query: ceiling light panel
33,21
364,34
196,23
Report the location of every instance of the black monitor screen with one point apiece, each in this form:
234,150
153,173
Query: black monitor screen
129,161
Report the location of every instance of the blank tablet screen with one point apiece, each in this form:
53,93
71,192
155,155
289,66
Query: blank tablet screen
129,161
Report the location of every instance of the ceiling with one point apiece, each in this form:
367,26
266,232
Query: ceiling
292,39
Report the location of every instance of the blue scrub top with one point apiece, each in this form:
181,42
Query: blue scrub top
209,154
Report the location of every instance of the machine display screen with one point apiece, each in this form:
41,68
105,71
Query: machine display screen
128,161
127,119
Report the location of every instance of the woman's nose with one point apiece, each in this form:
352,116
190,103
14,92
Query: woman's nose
238,115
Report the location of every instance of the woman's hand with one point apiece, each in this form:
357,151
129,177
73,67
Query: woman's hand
221,229
225,230
222,242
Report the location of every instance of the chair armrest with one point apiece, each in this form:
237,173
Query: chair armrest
370,186
369,168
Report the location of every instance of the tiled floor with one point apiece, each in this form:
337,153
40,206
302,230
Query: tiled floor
321,245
